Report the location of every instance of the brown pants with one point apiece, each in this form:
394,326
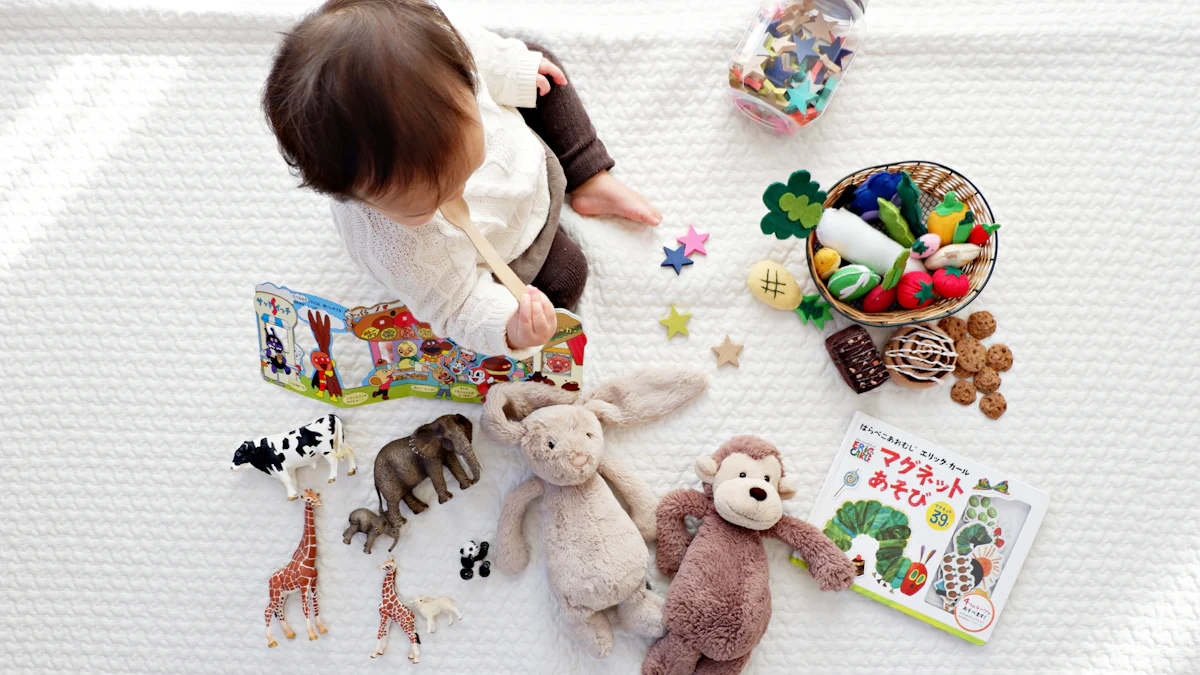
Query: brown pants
562,123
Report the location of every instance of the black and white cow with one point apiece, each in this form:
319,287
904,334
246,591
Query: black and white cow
281,454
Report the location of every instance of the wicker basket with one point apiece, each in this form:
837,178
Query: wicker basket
934,181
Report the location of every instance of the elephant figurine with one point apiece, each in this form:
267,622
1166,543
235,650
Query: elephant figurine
405,463
373,525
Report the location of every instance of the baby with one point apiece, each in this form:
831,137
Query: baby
387,108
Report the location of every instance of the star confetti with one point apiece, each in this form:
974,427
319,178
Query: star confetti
813,308
833,52
819,27
693,241
800,96
805,47
675,323
779,72
727,352
676,258
752,65
782,45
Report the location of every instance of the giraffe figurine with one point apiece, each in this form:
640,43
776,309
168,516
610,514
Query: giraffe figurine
391,609
298,575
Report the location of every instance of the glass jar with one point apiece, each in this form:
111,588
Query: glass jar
791,61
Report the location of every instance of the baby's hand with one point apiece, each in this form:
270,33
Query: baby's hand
548,68
534,322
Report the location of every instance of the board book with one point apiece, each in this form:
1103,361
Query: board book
933,534
367,354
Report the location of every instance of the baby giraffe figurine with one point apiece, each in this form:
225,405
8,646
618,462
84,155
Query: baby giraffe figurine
594,550
719,604
391,609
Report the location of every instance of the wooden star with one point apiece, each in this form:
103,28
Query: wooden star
820,27
752,65
675,323
727,352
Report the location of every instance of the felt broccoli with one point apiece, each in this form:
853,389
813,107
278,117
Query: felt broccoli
794,208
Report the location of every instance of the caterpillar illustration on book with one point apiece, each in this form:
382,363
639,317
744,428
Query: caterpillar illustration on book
356,356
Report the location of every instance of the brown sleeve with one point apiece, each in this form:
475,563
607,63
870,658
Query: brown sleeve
673,537
826,562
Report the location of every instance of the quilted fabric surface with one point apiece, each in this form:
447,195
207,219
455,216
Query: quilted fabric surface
142,198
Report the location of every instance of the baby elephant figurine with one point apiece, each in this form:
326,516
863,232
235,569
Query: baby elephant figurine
405,463
594,549
373,525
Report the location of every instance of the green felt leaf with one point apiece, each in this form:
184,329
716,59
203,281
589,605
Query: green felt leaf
949,205
892,277
953,271
813,308
919,247
777,223
990,227
926,292
897,227
910,204
799,209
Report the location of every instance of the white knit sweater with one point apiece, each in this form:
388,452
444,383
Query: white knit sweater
433,268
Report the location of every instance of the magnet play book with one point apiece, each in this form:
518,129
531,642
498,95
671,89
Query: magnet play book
931,533
353,357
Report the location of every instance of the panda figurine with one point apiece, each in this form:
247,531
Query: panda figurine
470,554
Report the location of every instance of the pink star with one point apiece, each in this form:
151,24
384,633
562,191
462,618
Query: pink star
693,241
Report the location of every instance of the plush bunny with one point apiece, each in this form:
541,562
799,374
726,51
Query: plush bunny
595,553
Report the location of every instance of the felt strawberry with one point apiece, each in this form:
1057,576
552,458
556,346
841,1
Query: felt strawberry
981,233
915,290
951,282
879,299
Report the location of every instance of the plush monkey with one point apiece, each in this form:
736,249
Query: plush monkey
719,604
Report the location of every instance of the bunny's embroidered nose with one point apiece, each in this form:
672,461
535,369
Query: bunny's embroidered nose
579,460
758,493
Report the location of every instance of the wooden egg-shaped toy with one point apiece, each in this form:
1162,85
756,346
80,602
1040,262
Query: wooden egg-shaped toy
852,282
773,284
826,261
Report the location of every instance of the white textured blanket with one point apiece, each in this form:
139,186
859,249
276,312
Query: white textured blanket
142,198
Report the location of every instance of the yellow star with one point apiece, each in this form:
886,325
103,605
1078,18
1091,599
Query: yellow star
727,352
675,323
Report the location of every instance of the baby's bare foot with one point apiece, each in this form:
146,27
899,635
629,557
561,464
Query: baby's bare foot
604,195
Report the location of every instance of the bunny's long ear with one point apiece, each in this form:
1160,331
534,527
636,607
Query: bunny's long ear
508,405
645,395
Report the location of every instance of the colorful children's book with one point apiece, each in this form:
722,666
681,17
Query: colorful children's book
353,357
932,533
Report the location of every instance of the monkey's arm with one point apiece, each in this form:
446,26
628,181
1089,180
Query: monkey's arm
826,562
514,550
673,537
636,493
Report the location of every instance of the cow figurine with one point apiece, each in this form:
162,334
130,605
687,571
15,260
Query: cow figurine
281,454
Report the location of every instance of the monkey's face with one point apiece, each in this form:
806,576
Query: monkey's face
746,491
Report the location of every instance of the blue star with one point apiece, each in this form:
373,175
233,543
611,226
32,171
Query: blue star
676,259
833,51
778,72
804,47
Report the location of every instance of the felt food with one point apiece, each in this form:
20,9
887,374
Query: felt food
910,203
879,299
794,209
954,255
852,282
827,261
945,218
897,227
925,246
951,282
920,356
880,186
858,242
857,359
981,232
773,284
915,290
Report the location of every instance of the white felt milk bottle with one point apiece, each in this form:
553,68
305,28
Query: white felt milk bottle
792,59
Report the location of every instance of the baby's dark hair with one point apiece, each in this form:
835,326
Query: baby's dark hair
366,96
